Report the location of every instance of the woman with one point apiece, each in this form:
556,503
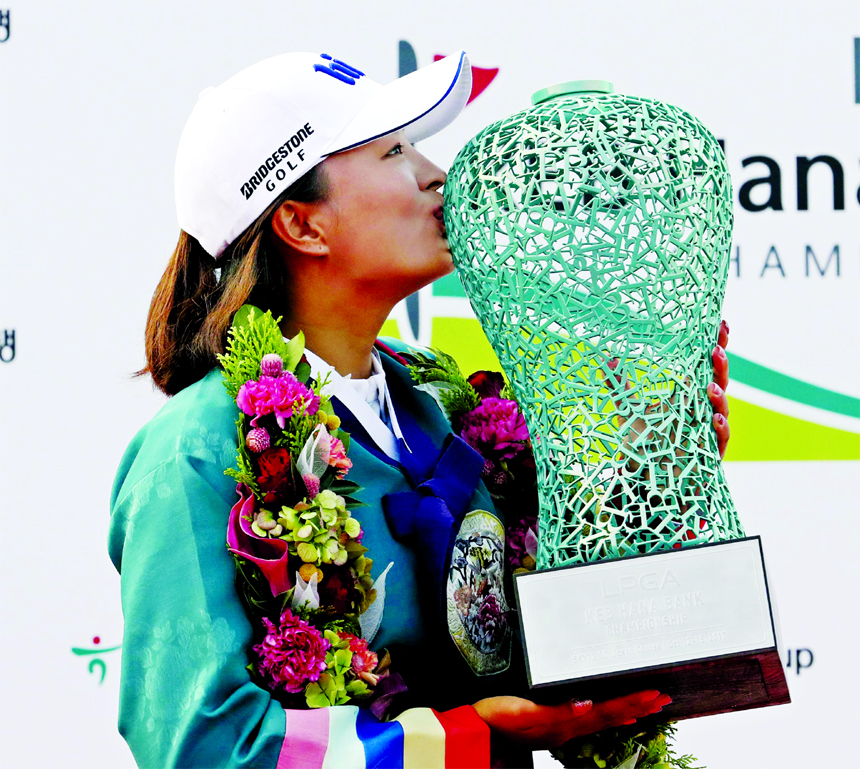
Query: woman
299,190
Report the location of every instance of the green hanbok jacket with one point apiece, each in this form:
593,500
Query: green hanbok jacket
187,699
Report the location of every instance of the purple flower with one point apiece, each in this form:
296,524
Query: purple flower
518,540
487,623
490,613
488,384
494,476
282,396
272,365
291,655
496,429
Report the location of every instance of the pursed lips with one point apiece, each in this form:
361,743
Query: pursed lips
437,212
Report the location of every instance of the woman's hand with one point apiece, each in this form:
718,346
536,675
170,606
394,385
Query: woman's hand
717,389
540,727
716,395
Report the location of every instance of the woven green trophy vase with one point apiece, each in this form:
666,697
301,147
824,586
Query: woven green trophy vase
592,236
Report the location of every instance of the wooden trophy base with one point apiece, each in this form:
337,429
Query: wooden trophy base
702,688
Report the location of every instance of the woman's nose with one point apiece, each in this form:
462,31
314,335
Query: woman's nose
431,176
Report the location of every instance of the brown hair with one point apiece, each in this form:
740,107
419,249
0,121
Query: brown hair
192,307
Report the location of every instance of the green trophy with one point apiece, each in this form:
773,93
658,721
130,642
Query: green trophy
592,234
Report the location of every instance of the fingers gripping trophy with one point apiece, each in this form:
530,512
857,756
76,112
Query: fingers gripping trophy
592,234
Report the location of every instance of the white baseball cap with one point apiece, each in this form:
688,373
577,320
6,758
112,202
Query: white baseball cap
252,136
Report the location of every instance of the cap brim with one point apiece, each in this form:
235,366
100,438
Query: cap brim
421,103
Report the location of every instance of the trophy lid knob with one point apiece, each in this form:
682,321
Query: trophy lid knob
570,88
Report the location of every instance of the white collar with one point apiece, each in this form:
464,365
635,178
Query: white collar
342,387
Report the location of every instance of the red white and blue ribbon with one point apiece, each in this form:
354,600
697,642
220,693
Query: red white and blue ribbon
348,737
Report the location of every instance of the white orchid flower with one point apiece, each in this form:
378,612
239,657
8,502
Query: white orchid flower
306,594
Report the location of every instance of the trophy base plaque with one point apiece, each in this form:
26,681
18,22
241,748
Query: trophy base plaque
698,624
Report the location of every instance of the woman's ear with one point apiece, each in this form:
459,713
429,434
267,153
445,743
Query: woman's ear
301,227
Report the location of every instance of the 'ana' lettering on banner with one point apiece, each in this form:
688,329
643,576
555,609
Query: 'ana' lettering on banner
767,189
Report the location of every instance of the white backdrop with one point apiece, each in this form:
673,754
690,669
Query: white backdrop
93,96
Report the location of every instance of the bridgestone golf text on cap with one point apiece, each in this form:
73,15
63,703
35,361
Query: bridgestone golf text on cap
247,189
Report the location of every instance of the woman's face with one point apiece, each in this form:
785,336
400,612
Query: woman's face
384,217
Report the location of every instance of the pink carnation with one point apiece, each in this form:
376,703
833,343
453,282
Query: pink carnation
337,458
291,655
364,661
282,396
362,658
495,429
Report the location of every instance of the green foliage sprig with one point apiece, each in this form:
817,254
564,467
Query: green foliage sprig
244,470
616,749
440,375
255,333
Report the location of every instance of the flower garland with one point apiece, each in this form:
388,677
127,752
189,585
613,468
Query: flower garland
483,412
302,571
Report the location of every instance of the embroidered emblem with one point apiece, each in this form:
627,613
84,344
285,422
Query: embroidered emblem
477,609
339,70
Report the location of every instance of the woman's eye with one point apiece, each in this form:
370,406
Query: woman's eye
397,149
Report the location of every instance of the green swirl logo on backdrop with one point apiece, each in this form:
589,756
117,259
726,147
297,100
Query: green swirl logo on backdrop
95,654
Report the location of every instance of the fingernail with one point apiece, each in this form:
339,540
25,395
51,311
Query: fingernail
628,723
613,364
649,694
719,419
715,389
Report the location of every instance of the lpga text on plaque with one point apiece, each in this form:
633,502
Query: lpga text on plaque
634,616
